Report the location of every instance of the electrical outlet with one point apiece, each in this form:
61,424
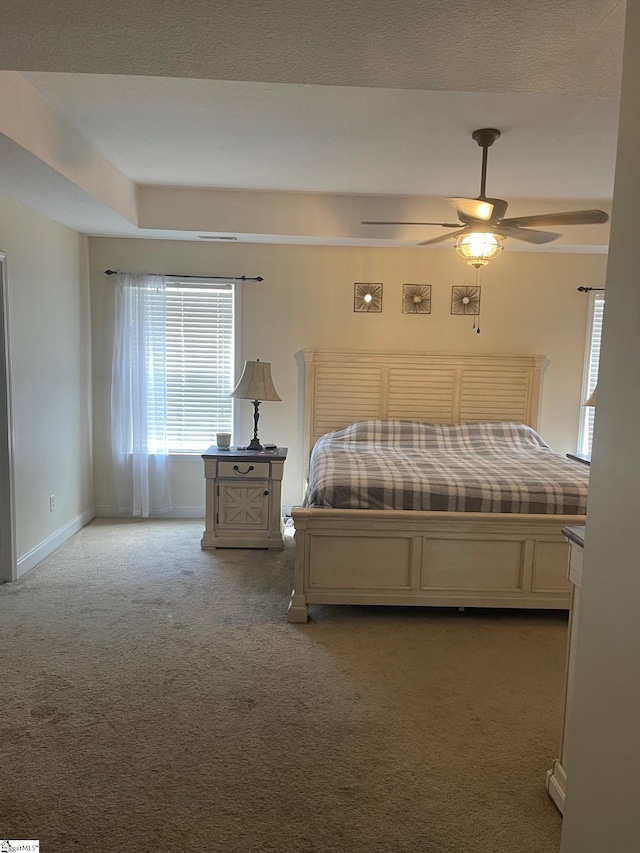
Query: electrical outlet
52,503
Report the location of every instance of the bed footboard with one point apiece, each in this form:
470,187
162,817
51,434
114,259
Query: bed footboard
442,559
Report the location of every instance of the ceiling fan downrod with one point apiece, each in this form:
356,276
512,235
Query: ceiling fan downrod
485,137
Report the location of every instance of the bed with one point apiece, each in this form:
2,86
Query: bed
381,538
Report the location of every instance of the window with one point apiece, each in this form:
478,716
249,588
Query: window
200,362
590,374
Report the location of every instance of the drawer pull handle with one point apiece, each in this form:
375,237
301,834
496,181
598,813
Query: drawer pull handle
249,469
265,494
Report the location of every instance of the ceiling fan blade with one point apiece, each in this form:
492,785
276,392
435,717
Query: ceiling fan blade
472,208
441,224
444,237
499,208
526,234
480,209
569,217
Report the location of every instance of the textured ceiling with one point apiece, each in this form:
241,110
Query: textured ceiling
335,97
542,46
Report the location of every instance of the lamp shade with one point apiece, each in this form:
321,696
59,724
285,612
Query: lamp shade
255,382
592,398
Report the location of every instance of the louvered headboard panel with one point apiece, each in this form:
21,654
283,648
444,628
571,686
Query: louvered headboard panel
343,386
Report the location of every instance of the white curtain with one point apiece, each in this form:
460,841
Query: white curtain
139,397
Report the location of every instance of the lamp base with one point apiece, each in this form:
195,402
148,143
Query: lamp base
254,444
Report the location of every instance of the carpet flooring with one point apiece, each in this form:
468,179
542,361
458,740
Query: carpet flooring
155,698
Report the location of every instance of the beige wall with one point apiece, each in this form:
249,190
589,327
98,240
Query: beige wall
603,788
50,349
529,305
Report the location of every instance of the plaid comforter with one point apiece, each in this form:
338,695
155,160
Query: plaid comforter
481,467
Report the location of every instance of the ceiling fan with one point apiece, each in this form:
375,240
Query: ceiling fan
486,216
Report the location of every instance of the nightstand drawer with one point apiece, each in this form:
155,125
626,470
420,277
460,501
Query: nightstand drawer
244,470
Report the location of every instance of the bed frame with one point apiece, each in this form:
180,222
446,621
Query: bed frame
441,559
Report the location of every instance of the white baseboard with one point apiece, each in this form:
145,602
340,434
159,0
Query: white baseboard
106,511
37,554
557,784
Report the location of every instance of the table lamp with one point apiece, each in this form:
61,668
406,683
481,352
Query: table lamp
256,384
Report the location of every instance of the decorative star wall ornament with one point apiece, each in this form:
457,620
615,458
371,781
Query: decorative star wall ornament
416,299
367,297
466,300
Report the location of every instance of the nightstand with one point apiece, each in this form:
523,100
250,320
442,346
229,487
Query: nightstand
243,500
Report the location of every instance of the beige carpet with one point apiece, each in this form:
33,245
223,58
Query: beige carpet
155,698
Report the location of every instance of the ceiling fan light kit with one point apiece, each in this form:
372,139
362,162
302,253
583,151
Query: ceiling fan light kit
482,224
478,249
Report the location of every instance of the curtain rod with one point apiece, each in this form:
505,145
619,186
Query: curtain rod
587,289
221,277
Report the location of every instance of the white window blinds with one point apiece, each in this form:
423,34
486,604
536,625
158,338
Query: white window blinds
590,376
199,363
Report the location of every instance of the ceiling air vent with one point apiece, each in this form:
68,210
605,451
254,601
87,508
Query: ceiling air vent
216,237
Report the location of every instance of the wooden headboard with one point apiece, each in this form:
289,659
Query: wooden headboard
343,386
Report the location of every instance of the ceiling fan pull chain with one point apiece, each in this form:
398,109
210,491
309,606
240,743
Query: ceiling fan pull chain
478,284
